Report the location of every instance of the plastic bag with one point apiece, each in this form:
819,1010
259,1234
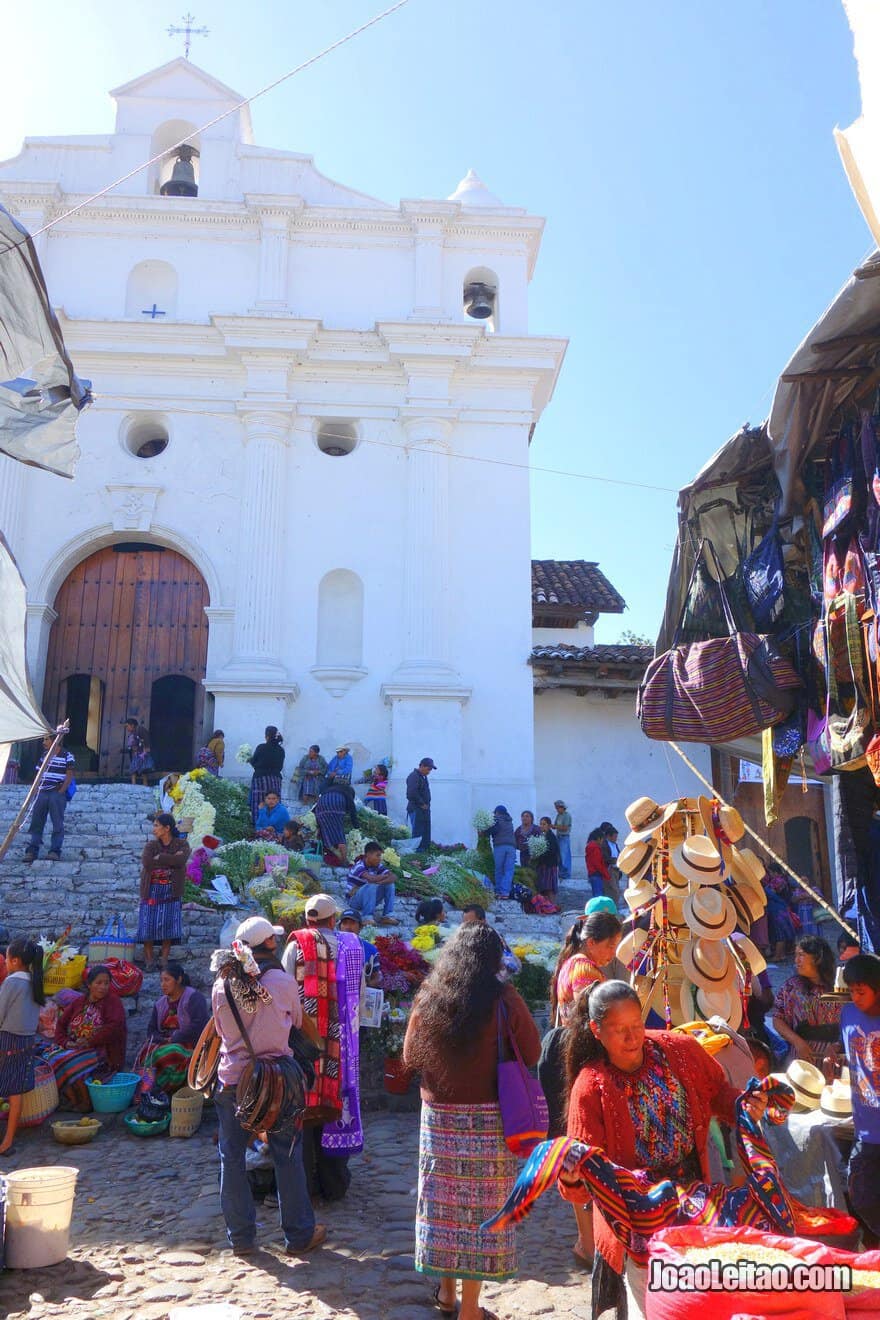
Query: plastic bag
670,1244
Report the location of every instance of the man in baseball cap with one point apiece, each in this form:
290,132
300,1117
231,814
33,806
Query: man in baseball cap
321,909
257,930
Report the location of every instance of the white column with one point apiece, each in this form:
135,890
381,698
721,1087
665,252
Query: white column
426,568
11,500
257,628
274,247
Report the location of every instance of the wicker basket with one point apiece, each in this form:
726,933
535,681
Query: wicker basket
38,1104
186,1112
64,975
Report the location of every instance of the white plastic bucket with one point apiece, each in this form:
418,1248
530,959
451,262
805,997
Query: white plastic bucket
39,1204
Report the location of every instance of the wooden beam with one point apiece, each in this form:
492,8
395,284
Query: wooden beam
847,341
832,373
868,271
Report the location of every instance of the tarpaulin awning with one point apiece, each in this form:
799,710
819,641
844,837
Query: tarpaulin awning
40,394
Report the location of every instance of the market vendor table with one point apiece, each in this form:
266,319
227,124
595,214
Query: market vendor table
809,1158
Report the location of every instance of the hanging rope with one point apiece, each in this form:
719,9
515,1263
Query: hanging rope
767,849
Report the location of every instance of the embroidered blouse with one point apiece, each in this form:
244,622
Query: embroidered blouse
575,974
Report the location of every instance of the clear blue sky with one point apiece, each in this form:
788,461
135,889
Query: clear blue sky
698,218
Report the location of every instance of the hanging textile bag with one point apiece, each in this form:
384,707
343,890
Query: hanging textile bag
718,690
524,1114
762,575
839,483
849,723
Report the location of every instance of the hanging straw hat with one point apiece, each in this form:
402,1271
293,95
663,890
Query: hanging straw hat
725,1004
631,944
646,817
745,904
709,913
638,893
750,953
698,859
836,1100
675,899
729,820
746,865
635,859
675,877
708,964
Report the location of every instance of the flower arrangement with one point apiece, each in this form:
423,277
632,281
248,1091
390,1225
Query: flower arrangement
537,846
483,819
244,753
356,842
390,857
198,773
402,966
309,822
199,861
230,802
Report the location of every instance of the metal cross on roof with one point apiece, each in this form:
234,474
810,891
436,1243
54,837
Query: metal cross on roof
187,32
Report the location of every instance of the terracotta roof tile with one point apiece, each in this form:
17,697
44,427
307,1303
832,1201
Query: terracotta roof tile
594,657
573,582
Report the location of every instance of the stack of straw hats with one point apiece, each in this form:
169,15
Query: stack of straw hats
703,893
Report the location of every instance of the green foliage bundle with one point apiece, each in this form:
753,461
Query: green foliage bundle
533,983
380,828
230,802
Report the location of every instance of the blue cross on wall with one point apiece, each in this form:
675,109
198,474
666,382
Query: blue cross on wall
152,312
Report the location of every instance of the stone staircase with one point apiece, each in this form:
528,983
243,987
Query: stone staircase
98,876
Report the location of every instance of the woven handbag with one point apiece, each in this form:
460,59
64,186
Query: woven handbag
849,727
719,690
524,1114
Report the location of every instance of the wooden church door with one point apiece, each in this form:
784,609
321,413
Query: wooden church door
132,628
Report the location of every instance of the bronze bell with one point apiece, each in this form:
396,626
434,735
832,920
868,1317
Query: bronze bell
479,301
183,177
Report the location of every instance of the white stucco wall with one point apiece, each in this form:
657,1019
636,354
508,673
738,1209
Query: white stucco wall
590,752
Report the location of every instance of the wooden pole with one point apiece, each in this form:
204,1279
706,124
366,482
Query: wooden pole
34,789
765,845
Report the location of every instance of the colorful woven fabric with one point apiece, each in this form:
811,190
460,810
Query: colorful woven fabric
803,1003
576,974
465,1170
160,917
636,1206
316,974
661,1117
345,1136
16,1064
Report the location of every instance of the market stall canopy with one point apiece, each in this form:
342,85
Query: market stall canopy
40,394
836,363
20,715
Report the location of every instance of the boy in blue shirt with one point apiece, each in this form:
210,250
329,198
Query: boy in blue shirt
860,1031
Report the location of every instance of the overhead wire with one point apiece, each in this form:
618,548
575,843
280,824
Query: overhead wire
162,155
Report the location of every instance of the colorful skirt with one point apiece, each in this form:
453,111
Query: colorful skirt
163,1066
331,827
260,786
160,916
466,1173
73,1066
16,1064
547,879
140,763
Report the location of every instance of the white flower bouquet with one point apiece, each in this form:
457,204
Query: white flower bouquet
244,753
537,846
483,819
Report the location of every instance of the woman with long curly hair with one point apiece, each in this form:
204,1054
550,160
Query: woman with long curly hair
460,1015
803,1014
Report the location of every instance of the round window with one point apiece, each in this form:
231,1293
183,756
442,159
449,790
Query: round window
146,437
337,438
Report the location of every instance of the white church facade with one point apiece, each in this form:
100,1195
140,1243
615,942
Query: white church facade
303,491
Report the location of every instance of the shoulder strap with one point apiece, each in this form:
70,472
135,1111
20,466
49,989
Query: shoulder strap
238,1021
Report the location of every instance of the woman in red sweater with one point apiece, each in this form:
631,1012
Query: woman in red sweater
465,1168
646,1099
89,1040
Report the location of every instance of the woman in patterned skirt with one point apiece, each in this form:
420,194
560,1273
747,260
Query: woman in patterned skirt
267,763
21,997
333,809
465,1169
89,1040
646,1099
163,874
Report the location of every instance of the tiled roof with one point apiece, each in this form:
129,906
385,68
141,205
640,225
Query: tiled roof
594,657
573,583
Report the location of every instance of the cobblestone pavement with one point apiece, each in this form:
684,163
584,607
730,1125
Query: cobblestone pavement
148,1238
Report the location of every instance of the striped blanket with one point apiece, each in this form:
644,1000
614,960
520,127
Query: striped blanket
635,1206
